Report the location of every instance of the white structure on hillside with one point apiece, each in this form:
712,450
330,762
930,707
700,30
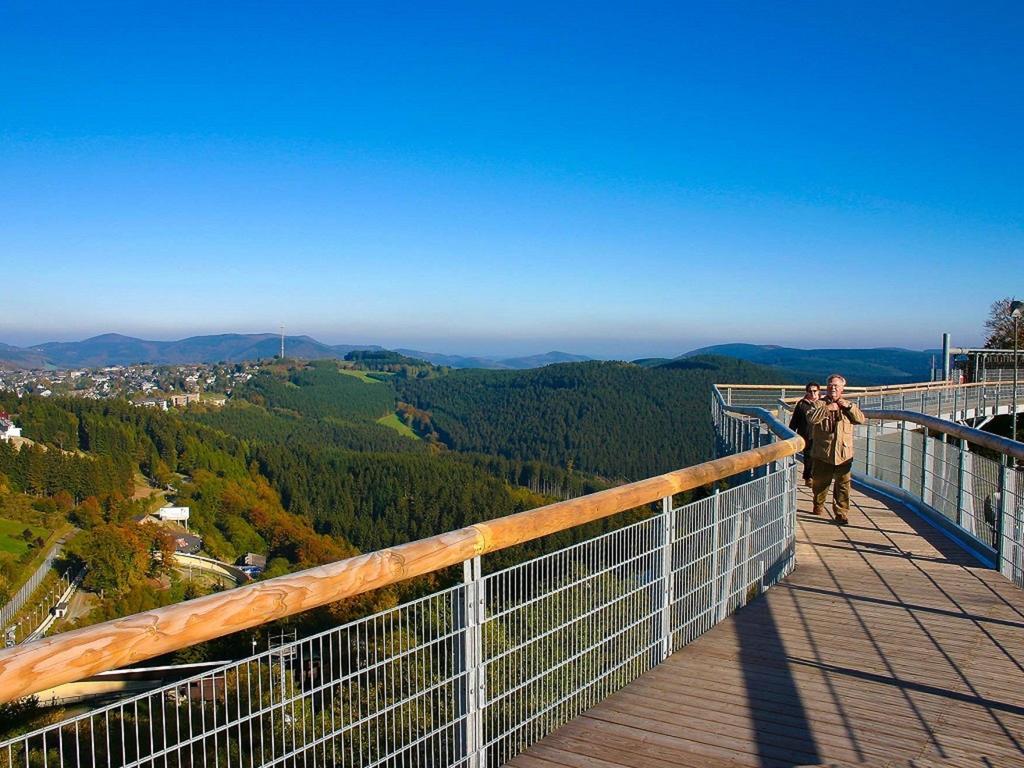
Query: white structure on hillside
7,428
179,514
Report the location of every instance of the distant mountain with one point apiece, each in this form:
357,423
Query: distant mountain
452,361
14,358
508,363
115,349
883,365
538,361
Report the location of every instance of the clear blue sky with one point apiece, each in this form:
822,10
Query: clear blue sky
610,180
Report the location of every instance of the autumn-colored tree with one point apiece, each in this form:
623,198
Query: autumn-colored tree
64,501
88,514
117,556
1000,326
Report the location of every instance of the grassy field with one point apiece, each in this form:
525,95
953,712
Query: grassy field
361,375
392,421
11,539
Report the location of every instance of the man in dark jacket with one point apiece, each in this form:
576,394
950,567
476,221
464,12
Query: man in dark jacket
799,424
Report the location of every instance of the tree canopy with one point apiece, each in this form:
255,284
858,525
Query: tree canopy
999,326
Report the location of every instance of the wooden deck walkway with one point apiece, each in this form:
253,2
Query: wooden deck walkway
887,646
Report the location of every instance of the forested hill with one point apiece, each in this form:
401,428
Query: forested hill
861,367
618,420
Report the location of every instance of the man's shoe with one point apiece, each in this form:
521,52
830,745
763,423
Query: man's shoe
842,519
818,511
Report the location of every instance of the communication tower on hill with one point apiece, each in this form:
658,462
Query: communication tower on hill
282,341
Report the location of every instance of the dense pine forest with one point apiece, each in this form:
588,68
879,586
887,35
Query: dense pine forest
312,462
616,420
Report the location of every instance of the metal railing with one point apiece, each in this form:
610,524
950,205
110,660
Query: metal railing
938,464
472,674
976,498
15,604
956,402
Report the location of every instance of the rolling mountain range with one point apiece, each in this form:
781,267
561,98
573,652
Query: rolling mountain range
115,349
883,365
886,365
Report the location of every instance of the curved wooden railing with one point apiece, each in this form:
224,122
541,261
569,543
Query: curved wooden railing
81,653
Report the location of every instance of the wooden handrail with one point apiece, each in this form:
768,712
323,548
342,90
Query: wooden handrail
81,653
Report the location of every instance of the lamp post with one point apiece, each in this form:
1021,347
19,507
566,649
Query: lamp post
1016,310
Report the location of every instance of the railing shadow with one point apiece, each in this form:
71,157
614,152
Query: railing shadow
779,719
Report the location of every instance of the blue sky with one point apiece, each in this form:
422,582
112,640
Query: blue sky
619,180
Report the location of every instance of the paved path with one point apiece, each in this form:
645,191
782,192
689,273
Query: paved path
887,646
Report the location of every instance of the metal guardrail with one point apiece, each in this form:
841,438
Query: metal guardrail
470,675
958,402
15,604
977,499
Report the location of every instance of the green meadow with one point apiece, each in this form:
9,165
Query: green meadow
11,539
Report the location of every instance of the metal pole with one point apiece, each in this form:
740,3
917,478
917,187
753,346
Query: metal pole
669,519
945,357
904,449
717,612
961,486
1014,415
1000,522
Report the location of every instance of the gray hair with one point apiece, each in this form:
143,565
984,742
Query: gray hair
835,377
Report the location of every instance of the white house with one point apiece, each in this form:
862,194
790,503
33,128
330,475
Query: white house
7,428
179,514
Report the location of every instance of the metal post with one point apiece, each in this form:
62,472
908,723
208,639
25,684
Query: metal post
961,486
945,357
1013,416
869,452
469,618
927,459
744,548
716,614
668,590
904,452
1001,515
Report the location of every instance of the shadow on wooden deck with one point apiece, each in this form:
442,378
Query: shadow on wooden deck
888,645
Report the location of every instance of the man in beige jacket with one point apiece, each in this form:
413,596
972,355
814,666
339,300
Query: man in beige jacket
831,422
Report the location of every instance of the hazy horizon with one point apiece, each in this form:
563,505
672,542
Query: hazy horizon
604,349
607,180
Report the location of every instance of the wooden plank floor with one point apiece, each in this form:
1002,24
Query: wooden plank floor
887,646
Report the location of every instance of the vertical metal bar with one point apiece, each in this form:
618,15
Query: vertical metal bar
869,451
744,532
472,608
1001,516
927,473
961,486
715,593
904,451
668,539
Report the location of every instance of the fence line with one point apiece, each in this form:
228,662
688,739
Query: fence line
15,604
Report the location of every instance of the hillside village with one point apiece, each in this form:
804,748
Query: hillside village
161,386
